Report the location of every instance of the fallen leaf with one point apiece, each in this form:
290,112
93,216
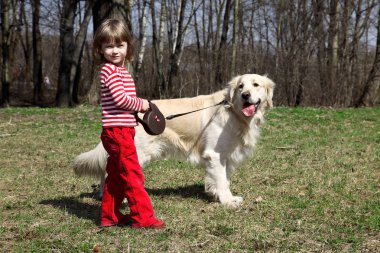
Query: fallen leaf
97,249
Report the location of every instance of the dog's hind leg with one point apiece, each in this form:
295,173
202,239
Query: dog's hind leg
101,186
92,163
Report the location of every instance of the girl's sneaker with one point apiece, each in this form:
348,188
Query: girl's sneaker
158,224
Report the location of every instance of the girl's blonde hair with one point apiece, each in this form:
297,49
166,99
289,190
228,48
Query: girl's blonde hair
111,31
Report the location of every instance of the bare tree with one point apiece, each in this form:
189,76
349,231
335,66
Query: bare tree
157,41
142,37
37,51
25,41
128,14
67,45
371,94
235,37
346,90
319,13
198,42
332,46
160,52
176,42
222,44
110,9
5,44
320,52
78,51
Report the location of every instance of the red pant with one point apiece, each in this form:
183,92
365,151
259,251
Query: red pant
125,179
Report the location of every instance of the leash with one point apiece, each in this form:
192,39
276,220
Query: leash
223,102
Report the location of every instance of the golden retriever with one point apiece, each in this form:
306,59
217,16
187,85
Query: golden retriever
218,138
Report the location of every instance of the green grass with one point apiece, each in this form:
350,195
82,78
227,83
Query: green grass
316,170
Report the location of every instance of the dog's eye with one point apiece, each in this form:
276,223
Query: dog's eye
255,85
241,86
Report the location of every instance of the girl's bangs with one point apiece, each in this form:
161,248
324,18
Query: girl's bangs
115,37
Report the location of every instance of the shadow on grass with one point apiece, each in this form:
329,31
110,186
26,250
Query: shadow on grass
195,191
74,206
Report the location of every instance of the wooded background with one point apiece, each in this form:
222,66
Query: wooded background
319,53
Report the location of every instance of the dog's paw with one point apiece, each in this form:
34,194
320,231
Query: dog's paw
237,199
234,201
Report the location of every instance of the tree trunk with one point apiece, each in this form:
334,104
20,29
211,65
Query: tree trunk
332,49
177,45
111,9
347,90
371,92
142,38
222,44
67,45
303,59
155,81
78,52
25,45
344,41
235,38
160,53
5,43
321,51
37,52
128,15
199,51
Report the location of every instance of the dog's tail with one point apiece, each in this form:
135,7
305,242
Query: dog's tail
91,163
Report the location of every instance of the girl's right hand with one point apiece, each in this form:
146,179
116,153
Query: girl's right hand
145,106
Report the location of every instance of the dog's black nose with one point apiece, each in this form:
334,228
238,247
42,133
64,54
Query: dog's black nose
246,95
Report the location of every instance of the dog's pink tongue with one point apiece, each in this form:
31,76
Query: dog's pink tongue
249,110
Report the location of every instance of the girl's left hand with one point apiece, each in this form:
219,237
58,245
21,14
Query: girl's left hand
145,106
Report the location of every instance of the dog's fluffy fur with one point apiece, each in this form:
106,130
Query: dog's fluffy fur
218,138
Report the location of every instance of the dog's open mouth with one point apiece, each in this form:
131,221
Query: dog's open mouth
250,109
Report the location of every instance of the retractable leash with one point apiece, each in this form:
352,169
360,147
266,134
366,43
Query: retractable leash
223,102
154,122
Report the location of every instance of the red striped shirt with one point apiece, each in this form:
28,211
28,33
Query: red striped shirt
118,97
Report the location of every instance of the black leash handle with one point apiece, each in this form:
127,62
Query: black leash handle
185,113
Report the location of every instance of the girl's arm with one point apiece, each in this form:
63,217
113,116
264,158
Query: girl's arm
119,96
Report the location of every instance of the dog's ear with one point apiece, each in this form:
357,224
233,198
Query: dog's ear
269,86
232,86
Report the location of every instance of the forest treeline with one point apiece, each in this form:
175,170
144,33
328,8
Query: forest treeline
318,52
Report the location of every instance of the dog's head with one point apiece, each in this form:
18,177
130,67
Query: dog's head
250,93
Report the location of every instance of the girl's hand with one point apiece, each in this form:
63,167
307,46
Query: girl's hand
145,106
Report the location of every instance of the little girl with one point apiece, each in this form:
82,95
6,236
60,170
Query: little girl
112,47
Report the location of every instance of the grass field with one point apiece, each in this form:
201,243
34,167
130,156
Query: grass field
312,185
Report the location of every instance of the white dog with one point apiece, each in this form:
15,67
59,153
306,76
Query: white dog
218,138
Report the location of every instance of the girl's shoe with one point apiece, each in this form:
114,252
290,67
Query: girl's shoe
125,220
158,224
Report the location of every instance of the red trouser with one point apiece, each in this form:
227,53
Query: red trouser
125,179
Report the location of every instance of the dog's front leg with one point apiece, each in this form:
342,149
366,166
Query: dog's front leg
216,181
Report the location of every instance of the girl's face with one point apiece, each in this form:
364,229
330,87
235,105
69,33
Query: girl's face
115,53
